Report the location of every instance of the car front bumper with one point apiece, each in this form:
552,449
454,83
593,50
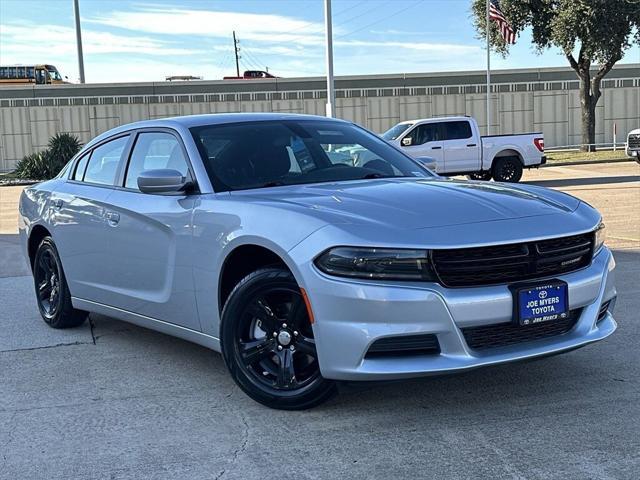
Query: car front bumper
351,315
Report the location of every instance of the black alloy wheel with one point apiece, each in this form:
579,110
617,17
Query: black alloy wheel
52,292
507,169
268,343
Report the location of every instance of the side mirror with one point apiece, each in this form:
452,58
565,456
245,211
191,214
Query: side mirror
164,180
406,141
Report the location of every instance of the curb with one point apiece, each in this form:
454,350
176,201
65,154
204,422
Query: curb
18,183
586,162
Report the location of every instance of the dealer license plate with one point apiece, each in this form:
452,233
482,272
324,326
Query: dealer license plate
542,303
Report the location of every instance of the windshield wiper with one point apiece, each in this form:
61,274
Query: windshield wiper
376,175
276,183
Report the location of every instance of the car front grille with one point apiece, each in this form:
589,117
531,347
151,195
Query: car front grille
424,344
504,334
471,267
634,141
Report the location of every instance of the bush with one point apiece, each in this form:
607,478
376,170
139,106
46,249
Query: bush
48,163
35,167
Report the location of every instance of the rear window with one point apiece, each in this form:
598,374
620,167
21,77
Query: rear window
456,130
104,161
81,166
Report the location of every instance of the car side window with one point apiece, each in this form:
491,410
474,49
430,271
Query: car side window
81,166
457,130
154,150
427,132
103,164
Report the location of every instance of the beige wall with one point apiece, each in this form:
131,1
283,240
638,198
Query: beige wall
25,129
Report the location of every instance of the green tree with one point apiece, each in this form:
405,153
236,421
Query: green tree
592,34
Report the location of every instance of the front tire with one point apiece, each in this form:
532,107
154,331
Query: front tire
52,291
507,169
268,345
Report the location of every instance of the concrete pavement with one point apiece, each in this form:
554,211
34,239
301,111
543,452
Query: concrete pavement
114,401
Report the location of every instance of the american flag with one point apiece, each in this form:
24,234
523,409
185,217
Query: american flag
506,30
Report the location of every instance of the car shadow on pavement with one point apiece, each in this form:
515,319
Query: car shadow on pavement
573,182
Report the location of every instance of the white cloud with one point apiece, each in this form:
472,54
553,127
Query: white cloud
210,23
448,48
20,40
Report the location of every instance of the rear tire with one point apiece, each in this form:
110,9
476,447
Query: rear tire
507,169
52,291
486,176
267,342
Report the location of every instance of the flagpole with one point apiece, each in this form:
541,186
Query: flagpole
488,74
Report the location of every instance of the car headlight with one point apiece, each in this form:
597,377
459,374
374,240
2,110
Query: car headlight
600,238
376,263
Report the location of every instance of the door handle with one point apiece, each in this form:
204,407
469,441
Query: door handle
436,148
471,144
57,203
113,218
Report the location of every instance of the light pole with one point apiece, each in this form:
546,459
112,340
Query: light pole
331,95
76,12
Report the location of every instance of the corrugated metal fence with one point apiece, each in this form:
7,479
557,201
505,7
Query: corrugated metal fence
523,100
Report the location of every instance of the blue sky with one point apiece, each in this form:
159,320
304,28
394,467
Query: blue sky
146,41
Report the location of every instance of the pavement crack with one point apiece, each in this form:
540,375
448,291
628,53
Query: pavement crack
241,448
10,437
91,329
45,347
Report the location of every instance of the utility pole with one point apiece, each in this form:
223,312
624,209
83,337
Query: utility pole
76,11
331,95
236,50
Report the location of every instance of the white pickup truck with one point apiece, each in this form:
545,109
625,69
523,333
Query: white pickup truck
457,148
632,146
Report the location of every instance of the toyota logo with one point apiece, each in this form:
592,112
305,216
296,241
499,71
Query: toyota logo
543,294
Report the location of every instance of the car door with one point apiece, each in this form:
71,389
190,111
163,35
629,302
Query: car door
423,140
78,216
149,236
461,149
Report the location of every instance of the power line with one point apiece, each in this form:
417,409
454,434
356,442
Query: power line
334,16
387,17
253,59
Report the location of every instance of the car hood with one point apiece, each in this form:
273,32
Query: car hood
414,203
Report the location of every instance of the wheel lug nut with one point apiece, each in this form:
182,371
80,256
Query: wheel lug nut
275,334
291,348
284,325
295,333
279,347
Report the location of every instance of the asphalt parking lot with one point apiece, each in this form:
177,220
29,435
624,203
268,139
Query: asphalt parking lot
111,400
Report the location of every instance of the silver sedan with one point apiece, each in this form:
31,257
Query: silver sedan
246,234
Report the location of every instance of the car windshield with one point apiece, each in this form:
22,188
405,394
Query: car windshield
261,154
395,131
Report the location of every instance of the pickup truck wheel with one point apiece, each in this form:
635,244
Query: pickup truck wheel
268,344
507,169
480,176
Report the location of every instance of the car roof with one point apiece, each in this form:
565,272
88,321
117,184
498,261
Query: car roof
189,121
